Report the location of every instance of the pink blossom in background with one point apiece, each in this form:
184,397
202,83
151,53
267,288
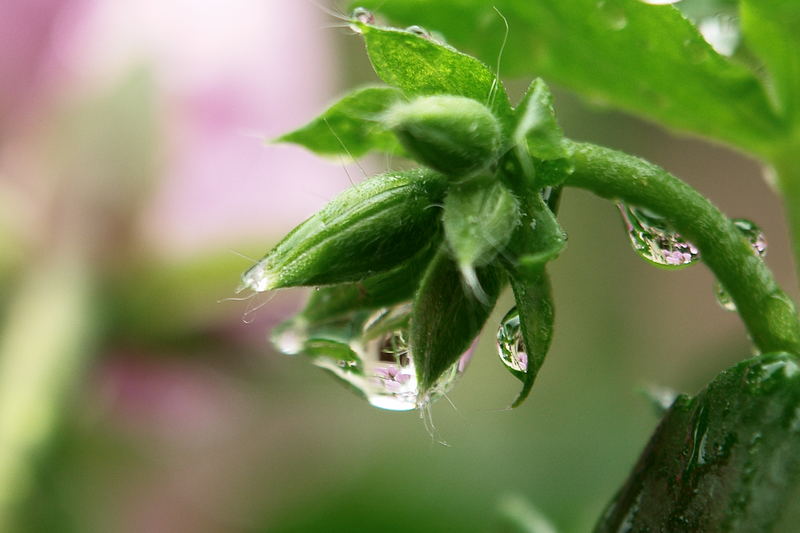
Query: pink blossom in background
230,75
30,32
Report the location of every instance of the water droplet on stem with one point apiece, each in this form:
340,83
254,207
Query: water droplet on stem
653,239
758,241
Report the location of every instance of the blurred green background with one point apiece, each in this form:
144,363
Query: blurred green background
133,180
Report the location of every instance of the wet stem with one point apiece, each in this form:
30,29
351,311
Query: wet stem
768,313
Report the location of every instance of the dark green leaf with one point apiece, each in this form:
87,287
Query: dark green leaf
480,216
447,316
772,30
351,127
722,461
421,66
643,58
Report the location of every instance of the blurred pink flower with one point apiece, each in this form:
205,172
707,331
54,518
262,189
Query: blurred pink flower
32,33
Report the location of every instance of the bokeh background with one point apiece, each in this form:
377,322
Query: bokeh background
134,183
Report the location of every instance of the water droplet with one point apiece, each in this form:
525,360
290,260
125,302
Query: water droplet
758,241
384,371
612,14
752,233
660,2
723,297
419,31
721,32
653,239
363,15
511,345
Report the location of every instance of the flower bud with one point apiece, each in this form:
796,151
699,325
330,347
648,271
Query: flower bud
369,228
455,135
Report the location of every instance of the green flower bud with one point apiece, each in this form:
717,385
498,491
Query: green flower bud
455,135
369,228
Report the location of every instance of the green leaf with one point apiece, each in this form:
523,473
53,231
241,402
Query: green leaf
642,58
479,218
724,460
772,30
447,316
421,66
351,127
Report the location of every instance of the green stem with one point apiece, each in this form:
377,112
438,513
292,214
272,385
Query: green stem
787,168
767,312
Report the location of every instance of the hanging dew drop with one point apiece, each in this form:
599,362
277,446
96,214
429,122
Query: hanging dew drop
384,372
653,239
752,233
511,345
723,297
758,241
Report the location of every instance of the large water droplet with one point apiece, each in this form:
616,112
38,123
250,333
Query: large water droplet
758,241
660,2
721,32
653,239
419,31
511,345
383,371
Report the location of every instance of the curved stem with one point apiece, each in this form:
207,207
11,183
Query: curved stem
769,315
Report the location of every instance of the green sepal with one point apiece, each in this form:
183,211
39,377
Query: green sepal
447,316
350,127
382,290
480,216
539,238
536,126
536,318
421,66
455,135
370,228
725,460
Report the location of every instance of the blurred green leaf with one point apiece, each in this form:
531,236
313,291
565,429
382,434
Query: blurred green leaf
447,316
642,58
725,460
772,30
351,127
421,66
522,517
